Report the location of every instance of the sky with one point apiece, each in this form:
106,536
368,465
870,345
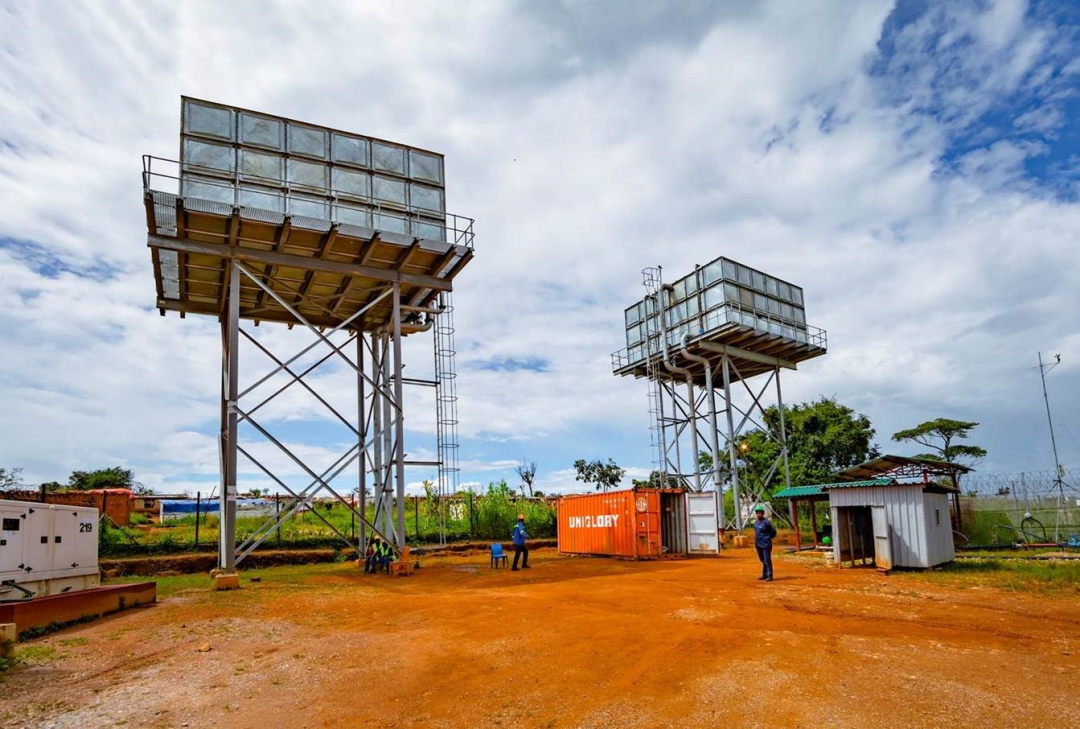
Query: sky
914,166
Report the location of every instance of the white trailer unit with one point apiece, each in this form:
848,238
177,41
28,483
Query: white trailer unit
46,549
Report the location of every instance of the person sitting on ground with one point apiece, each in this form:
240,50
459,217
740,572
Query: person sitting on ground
764,533
371,557
519,536
388,556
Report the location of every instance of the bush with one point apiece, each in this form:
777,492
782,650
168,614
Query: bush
497,510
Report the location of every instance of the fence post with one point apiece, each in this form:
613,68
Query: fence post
198,510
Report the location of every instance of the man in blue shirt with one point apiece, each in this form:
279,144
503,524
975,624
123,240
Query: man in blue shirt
519,536
764,532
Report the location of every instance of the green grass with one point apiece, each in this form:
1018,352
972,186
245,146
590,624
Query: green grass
74,641
33,655
1048,577
1034,553
490,516
292,575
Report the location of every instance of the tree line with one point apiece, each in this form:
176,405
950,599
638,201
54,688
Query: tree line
823,437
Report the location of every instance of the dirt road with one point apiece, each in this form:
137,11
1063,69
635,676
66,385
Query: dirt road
571,642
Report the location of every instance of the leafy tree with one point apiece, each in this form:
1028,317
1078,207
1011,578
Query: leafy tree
823,437
11,478
116,477
938,435
654,481
603,475
526,471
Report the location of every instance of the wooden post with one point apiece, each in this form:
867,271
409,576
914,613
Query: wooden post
793,507
813,521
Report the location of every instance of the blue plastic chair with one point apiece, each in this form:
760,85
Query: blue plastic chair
497,554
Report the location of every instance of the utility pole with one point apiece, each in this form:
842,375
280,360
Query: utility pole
1058,480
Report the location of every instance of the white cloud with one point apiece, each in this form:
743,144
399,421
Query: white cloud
586,147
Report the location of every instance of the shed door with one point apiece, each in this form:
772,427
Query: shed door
703,529
882,547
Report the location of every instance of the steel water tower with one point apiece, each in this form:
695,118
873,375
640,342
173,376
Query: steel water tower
264,219
723,325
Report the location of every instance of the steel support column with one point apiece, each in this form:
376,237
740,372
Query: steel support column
227,503
725,366
783,437
361,441
399,423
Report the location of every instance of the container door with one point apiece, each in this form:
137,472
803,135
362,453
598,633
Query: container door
647,522
882,547
12,529
703,528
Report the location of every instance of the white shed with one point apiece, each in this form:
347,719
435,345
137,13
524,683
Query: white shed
891,524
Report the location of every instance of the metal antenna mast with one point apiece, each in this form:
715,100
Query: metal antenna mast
1043,369
652,281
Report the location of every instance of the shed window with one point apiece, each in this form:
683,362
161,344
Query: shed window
11,525
937,516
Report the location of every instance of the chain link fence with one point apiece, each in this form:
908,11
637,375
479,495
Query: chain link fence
488,516
1024,507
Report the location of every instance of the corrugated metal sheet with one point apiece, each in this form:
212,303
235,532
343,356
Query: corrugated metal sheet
904,507
916,536
821,488
624,524
860,484
598,524
939,529
796,491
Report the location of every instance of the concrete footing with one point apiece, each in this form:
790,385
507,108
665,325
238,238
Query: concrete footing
8,635
226,581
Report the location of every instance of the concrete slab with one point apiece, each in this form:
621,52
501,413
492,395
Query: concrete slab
68,607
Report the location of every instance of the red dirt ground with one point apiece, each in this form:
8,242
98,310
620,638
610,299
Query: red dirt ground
571,642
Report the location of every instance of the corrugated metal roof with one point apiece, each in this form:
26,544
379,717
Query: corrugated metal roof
901,466
820,488
797,491
855,484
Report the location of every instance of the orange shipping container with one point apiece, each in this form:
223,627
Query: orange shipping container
631,524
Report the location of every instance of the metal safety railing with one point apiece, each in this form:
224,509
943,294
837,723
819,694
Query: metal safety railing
704,325
221,191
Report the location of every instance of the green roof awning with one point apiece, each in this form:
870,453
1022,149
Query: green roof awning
855,484
819,489
797,491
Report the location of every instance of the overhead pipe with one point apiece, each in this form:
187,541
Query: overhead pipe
707,366
689,386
